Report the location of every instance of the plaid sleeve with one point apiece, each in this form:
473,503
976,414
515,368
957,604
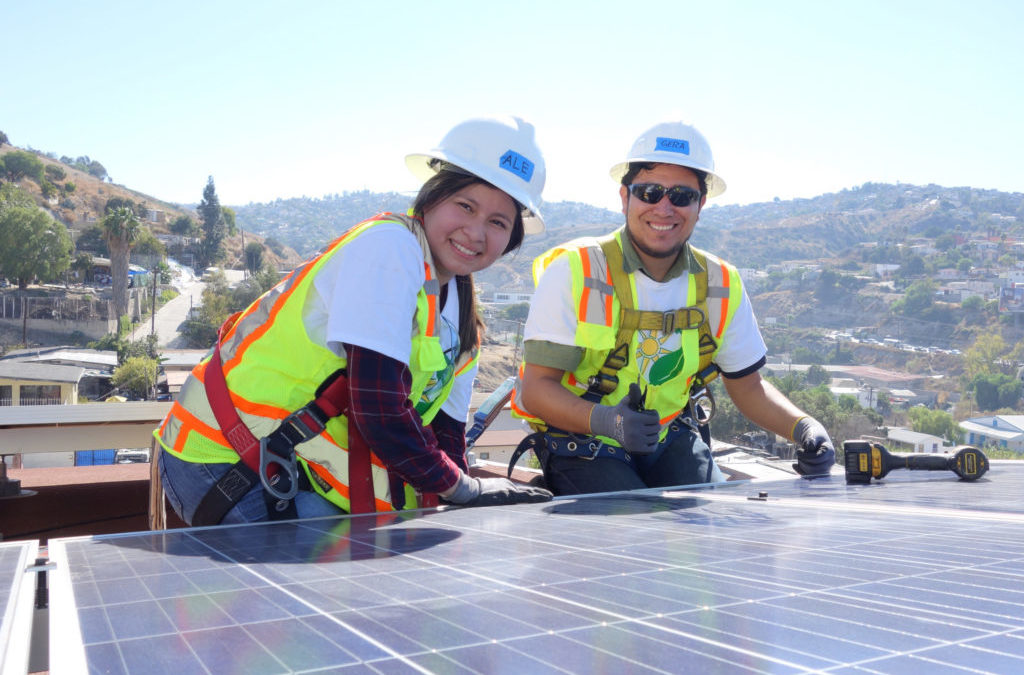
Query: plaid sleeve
379,389
451,436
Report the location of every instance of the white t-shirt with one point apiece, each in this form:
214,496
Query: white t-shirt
366,295
553,318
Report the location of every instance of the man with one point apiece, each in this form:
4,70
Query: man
624,329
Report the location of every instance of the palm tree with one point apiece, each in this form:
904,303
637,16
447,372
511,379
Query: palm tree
120,229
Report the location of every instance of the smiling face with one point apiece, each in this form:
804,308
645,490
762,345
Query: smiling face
469,230
660,231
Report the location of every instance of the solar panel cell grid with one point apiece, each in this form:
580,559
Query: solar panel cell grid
17,588
820,577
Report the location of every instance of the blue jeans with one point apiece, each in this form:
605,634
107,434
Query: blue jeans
686,461
186,483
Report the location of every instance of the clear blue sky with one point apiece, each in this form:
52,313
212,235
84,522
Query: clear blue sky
285,99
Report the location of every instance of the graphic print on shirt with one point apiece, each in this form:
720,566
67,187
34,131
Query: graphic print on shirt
659,357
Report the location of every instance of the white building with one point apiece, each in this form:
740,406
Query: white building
1006,431
913,441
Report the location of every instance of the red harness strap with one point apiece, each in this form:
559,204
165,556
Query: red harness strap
231,425
332,400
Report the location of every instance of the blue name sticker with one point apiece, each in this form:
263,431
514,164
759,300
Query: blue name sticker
672,145
515,163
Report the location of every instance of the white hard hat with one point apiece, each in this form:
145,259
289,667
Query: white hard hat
502,151
673,143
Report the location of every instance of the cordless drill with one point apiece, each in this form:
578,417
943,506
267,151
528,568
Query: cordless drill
866,460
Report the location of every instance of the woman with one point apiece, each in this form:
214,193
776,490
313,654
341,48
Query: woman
370,346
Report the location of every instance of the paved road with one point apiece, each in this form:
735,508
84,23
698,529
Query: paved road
170,317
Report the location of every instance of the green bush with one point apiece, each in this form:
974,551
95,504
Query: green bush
54,172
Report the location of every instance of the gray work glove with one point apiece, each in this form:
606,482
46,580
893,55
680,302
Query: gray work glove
470,491
635,429
816,454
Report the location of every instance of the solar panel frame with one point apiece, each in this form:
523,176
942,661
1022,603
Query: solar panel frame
816,576
17,602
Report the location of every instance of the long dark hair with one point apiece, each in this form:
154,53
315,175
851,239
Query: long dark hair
442,185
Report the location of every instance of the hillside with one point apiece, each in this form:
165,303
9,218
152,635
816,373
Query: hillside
809,264
754,235
784,248
84,206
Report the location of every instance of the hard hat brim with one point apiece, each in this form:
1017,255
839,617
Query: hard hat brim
420,166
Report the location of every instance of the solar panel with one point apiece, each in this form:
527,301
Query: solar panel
17,588
817,576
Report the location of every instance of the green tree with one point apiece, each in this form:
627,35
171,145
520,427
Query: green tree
945,242
728,422
993,391
817,375
884,403
973,304
12,195
184,226
214,227
148,244
120,230
32,244
86,165
118,202
254,257
146,347
136,377
19,164
3,139
274,245
918,298
91,241
935,422
229,219
912,266
983,356
516,312
200,331
55,173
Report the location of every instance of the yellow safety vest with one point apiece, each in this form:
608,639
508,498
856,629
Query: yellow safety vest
607,319
272,369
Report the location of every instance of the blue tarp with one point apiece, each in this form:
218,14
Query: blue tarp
93,457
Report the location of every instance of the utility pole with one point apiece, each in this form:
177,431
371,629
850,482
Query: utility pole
152,325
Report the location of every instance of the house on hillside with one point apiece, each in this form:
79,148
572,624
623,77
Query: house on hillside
1005,431
508,296
885,270
905,440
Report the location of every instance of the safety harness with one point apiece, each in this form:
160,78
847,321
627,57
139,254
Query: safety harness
271,460
547,440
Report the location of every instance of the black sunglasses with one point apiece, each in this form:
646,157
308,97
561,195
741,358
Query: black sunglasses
651,193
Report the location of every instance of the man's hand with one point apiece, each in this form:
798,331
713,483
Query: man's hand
636,430
816,454
470,491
